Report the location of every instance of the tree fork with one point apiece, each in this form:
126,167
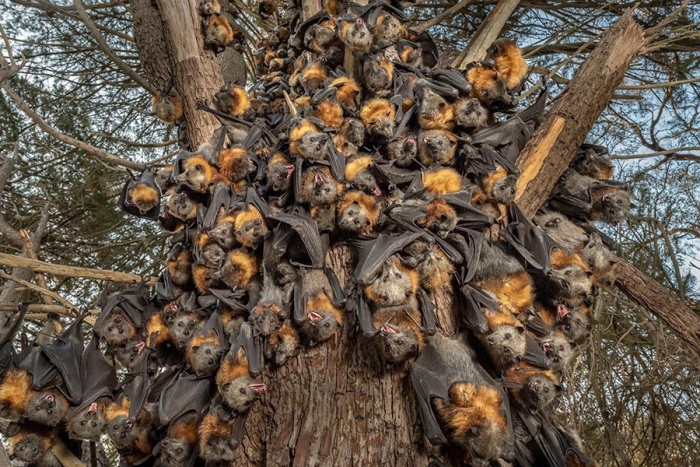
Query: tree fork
553,146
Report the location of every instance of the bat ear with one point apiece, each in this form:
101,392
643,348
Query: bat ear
474,431
195,348
520,329
558,388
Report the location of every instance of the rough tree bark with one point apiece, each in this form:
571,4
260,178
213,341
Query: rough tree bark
196,71
564,129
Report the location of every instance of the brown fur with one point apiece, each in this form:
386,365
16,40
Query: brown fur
500,318
297,133
16,391
239,102
313,75
435,210
321,303
356,165
470,406
442,181
118,408
200,161
249,215
514,291
167,108
444,120
559,259
172,265
213,426
325,171
520,372
201,339
247,267
483,80
439,276
424,155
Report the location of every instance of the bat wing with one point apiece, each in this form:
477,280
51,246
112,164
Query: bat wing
468,242
99,377
475,300
184,394
252,197
590,228
571,206
537,326
147,177
307,230
523,236
493,157
336,159
7,351
372,254
244,338
468,216
452,253
453,78
297,39
364,316
534,354
65,353
336,289
429,48
275,245
427,311
396,175
222,199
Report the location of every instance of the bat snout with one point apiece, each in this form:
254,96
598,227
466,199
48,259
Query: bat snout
259,388
386,329
314,317
562,312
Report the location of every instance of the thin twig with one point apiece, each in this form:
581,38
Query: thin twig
41,290
445,14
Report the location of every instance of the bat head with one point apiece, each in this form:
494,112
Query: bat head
486,443
222,233
122,431
321,325
576,326
31,449
320,188
87,424
180,205
205,358
356,35
354,131
354,218
175,452
504,189
471,113
313,145
365,182
506,344
279,176
240,393
596,254
183,327
538,391
558,350
265,318
615,207
212,255
397,344
393,286
117,328
569,283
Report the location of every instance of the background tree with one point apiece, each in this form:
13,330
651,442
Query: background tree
88,73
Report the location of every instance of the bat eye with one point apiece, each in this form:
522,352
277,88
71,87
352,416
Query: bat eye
508,336
327,325
82,423
242,390
546,389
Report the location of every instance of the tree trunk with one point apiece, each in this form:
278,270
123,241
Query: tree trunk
150,42
553,146
336,404
196,71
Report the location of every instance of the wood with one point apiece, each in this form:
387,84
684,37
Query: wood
65,457
196,71
150,42
648,293
31,254
488,32
541,162
42,308
4,458
71,271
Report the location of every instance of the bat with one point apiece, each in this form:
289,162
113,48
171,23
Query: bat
207,347
140,196
317,302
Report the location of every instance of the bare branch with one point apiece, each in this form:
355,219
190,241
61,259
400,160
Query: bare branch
80,8
442,16
671,152
31,254
41,290
71,271
46,309
651,32
90,149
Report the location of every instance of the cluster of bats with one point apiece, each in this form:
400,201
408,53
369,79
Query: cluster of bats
401,159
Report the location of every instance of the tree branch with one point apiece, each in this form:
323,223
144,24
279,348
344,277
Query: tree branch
442,16
71,271
80,8
41,290
88,148
487,33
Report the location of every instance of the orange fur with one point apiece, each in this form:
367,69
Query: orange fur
559,259
510,64
375,110
232,368
437,209
331,113
202,277
118,408
16,391
322,304
229,160
213,426
482,79
278,157
297,133
143,194
355,166
370,204
442,181
166,108
443,120
239,102
200,163
411,273
314,75
249,215
514,291
470,406
520,372
489,181
246,267
219,32
440,275
501,318
185,429
157,325
349,91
